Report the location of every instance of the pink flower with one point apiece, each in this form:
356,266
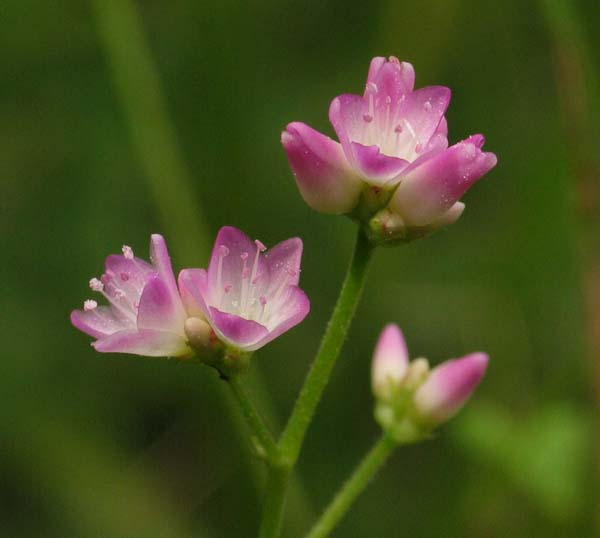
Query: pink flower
145,315
249,295
393,144
436,395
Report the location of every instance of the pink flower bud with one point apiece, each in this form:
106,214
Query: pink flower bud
390,362
449,386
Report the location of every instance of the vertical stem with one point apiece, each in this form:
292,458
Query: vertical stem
316,380
354,486
335,334
274,502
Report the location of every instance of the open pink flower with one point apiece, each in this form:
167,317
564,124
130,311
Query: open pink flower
436,395
393,139
249,295
145,315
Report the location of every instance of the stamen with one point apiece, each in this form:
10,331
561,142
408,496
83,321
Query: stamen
120,294
418,147
90,304
263,303
228,288
127,252
370,115
223,252
409,127
260,245
245,275
96,285
124,277
398,129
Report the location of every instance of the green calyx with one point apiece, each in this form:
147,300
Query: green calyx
210,350
380,224
395,410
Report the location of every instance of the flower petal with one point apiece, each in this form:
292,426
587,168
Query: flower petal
423,110
132,269
100,321
378,168
159,308
144,342
449,217
429,190
193,288
346,114
294,308
162,262
323,174
392,78
232,253
449,386
285,257
236,331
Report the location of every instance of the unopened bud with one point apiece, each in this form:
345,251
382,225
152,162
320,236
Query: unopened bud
448,387
390,362
198,332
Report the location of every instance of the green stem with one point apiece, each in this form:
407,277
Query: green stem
316,380
266,443
320,371
274,502
354,486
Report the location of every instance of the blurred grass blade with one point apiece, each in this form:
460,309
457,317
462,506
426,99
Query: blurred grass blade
139,89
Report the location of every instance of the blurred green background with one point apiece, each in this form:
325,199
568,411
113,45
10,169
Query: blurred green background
120,119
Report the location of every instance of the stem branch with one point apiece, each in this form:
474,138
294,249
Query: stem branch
314,385
335,334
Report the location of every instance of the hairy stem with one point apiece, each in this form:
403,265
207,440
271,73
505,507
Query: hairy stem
274,502
314,385
335,334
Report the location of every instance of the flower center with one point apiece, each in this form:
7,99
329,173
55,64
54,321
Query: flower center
383,126
251,294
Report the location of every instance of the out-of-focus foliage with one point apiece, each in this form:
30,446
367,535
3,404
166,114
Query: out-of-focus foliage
94,445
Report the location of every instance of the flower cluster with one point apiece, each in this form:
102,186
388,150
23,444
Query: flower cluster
392,169
393,172
411,398
248,296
